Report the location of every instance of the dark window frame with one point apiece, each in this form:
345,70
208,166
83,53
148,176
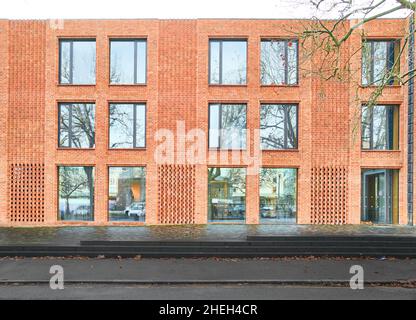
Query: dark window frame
109,166
396,42
286,42
286,120
136,41
134,105
371,127
57,168
70,133
221,40
71,60
220,125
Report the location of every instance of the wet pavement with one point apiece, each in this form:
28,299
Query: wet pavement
73,235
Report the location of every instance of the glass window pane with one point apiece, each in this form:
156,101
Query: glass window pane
77,126
64,123
141,62
278,127
366,127
122,62
226,194
76,193
233,126
273,62
214,125
214,62
292,72
234,62
278,195
84,62
380,61
65,61
366,63
140,126
127,194
121,126
379,128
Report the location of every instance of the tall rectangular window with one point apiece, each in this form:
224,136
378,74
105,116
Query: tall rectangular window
227,126
279,62
76,125
77,62
76,193
228,62
380,196
278,126
226,194
380,127
278,195
127,126
127,194
380,62
128,61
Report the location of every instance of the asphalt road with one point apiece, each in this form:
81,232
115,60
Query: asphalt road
206,292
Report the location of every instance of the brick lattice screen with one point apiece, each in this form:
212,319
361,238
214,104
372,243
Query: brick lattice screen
329,204
26,197
176,194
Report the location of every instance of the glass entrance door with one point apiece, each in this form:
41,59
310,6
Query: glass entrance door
380,196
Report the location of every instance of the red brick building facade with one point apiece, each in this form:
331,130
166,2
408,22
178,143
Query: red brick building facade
329,158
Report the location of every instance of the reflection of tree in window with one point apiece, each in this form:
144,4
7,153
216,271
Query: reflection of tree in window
78,62
279,62
128,62
127,125
76,125
378,60
278,125
227,188
76,193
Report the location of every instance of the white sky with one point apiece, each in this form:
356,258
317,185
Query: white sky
136,9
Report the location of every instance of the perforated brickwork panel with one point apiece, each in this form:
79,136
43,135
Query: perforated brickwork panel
176,194
26,198
329,204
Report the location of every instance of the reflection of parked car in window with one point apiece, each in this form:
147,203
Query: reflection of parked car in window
268,212
238,209
136,209
82,210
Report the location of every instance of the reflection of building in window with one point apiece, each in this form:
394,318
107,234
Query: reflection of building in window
380,127
380,62
278,194
127,193
227,194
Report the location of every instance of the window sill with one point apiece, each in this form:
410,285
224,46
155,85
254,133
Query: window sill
127,85
375,86
127,149
228,85
380,151
76,85
280,85
280,150
75,149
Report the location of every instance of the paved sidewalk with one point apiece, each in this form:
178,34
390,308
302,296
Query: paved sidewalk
206,270
73,235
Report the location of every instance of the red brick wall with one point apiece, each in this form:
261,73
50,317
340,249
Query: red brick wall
329,158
